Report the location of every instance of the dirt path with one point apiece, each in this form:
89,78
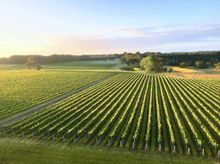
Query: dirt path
12,119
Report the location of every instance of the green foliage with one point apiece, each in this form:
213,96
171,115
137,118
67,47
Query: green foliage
169,69
152,64
148,63
21,59
183,64
131,58
32,64
217,65
200,64
183,59
134,110
22,89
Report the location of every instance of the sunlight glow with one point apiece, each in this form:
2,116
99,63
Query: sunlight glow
92,27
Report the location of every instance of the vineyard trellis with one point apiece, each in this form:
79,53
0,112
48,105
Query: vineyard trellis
135,111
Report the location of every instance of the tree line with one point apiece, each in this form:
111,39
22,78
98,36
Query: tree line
156,60
21,59
201,59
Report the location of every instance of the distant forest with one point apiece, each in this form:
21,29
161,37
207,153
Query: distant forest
172,59
21,59
184,59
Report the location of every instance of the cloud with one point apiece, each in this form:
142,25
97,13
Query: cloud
170,32
131,39
154,38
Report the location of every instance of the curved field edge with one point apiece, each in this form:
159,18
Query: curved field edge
12,151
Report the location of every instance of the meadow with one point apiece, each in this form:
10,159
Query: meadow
73,65
86,65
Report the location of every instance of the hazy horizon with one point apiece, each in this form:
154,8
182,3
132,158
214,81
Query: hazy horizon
107,26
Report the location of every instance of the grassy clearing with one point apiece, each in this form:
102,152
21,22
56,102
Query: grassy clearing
28,151
92,65
195,73
6,67
76,65
184,70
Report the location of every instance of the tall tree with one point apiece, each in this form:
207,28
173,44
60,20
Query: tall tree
148,63
32,64
152,64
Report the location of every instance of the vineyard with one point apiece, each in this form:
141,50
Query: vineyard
134,111
20,90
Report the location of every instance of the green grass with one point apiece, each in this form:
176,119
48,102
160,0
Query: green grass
7,67
18,151
91,65
75,65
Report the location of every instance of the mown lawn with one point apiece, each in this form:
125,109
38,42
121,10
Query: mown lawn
31,152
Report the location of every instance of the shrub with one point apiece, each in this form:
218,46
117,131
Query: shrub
169,69
183,64
217,65
200,64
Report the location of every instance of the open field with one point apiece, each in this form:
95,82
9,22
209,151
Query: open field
184,70
6,67
75,65
134,111
30,151
23,89
89,65
203,75
195,73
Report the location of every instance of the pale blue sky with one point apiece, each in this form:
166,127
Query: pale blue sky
108,26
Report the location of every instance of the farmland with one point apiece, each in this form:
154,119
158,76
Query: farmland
85,65
23,89
133,111
110,82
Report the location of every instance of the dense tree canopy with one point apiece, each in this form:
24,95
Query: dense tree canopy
183,59
131,58
200,64
152,64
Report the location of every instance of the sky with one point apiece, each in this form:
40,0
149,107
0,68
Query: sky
107,26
